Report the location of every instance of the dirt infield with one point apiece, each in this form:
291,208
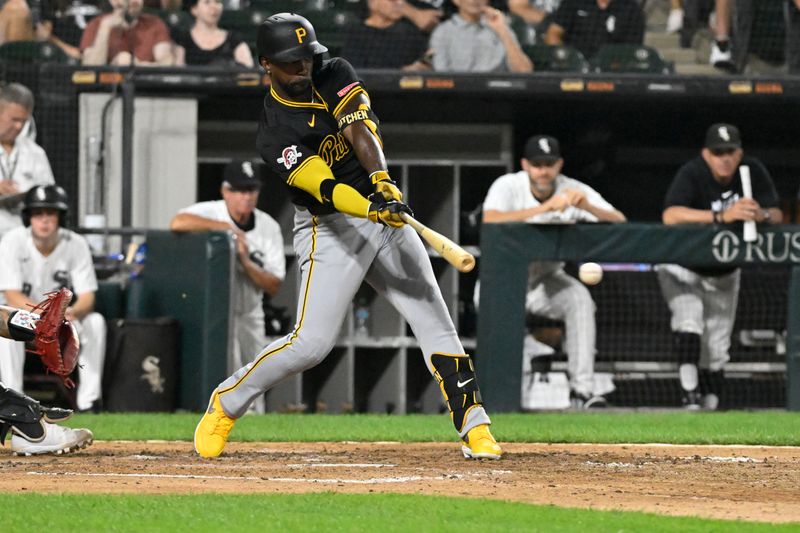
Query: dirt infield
747,483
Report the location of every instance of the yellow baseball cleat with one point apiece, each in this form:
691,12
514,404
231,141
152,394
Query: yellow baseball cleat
212,432
480,444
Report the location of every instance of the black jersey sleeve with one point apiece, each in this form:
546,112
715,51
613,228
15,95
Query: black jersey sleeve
282,151
340,84
682,190
764,191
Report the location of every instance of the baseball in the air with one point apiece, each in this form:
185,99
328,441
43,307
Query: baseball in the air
590,273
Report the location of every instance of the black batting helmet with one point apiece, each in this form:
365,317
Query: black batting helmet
45,197
287,37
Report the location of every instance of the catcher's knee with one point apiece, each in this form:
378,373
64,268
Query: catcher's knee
458,383
686,347
20,413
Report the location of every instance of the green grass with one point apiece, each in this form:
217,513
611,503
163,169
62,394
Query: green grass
326,512
735,427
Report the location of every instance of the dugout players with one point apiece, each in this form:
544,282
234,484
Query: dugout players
261,264
23,163
541,194
41,257
708,190
319,135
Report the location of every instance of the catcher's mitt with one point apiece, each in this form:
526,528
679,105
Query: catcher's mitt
55,338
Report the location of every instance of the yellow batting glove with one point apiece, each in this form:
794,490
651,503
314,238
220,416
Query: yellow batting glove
384,185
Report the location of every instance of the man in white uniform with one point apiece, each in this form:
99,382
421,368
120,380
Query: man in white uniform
23,163
42,257
261,264
540,194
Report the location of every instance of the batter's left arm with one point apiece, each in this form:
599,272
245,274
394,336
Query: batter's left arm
363,135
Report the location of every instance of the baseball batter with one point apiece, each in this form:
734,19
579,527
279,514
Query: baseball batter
42,257
319,135
261,265
708,190
540,194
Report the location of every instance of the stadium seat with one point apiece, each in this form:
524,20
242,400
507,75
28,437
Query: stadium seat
175,20
526,35
548,58
331,27
632,58
302,7
27,51
245,23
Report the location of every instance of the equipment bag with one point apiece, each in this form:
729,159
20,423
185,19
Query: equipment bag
141,369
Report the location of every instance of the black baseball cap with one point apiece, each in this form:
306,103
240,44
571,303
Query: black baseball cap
723,136
240,174
542,148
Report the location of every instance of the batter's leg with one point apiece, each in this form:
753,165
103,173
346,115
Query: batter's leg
334,253
402,272
250,340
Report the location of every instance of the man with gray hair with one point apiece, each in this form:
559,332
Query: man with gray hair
23,163
261,264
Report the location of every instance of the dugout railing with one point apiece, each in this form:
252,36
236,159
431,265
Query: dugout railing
508,249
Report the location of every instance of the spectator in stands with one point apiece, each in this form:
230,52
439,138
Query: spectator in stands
536,15
792,17
675,18
206,43
386,40
721,56
15,22
708,190
40,258
23,163
477,39
589,24
425,15
126,36
541,194
63,23
261,263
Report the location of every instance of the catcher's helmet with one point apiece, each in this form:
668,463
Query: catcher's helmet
287,37
47,197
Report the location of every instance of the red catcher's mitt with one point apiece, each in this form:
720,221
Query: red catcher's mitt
55,338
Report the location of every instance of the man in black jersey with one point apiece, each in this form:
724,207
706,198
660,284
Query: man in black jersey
708,190
319,135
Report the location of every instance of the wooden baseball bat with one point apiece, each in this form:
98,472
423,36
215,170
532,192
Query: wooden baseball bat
450,251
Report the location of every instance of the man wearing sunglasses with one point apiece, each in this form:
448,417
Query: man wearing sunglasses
541,194
261,264
708,190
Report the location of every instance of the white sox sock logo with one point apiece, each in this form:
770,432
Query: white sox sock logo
461,385
723,133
